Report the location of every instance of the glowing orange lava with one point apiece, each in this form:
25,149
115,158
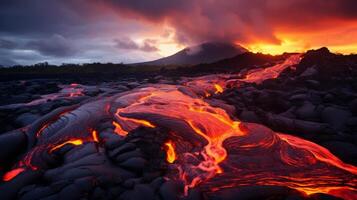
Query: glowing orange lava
219,89
95,136
223,152
161,104
170,152
211,123
12,174
130,123
75,142
319,152
259,75
119,130
75,90
142,122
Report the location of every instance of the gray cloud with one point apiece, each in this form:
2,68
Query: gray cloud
7,44
5,61
56,45
51,30
237,20
128,44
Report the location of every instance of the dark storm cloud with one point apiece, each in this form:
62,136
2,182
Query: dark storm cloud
36,17
153,9
38,30
128,44
32,27
7,44
238,20
5,60
51,30
56,45
194,20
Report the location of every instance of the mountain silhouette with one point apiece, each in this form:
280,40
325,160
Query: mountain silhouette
204,53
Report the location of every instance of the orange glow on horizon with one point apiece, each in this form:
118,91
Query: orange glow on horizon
342,39
274,49
288,46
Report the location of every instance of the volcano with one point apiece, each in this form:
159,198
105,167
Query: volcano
204,53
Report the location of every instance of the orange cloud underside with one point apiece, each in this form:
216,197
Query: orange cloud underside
341,38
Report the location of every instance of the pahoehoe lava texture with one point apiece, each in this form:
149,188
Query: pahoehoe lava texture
165,141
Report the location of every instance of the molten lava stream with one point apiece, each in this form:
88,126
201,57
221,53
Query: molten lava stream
262,74
225,152
212,124
170,152
75,142
160,104
263,157
26,163
95,136
8,176
219,89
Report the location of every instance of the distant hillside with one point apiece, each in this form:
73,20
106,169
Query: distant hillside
203,53
246,60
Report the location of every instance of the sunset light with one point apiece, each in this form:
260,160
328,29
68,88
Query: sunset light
178,99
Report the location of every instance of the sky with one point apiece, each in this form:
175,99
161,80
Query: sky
127,31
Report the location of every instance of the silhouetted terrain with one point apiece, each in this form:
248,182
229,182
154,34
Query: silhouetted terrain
204,53
113,71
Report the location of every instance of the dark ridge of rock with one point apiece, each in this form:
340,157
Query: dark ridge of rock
327,64
204,53
11,144
26,119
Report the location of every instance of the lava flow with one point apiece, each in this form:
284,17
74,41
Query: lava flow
170,152
217,151
166,106
13,173
73,142
261,74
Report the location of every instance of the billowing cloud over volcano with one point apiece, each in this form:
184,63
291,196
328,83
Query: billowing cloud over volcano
94,30
316,23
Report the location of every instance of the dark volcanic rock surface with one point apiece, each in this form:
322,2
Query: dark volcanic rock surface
317,101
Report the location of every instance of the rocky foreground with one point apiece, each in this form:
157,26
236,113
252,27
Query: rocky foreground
315,100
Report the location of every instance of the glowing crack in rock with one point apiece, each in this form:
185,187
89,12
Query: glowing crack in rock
75,142
170,152
12,174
